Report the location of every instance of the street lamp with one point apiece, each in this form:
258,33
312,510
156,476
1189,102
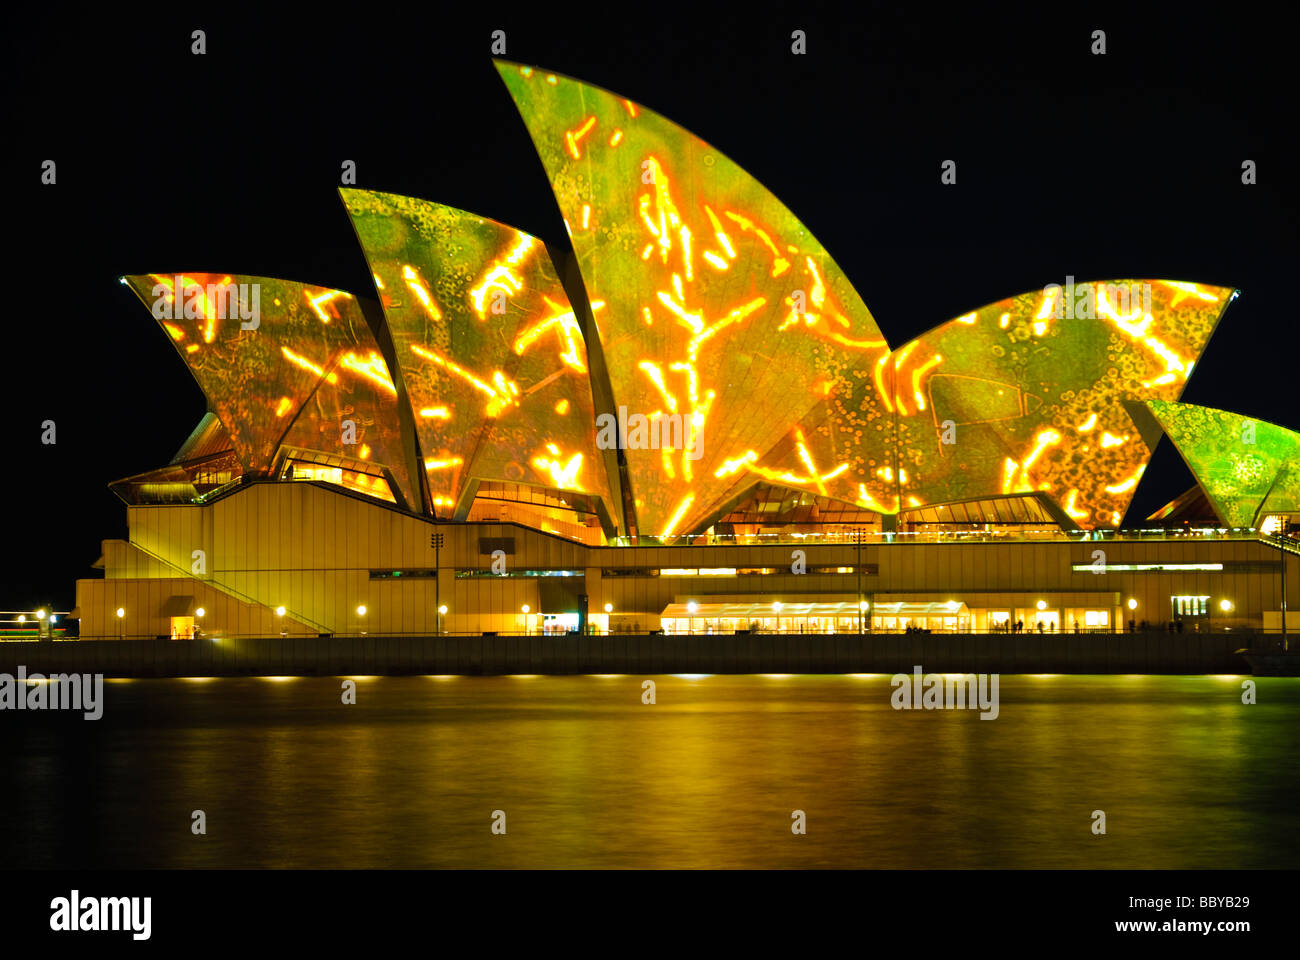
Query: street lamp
609,608
200,612
442,612
1226,606
858,537
437,541
526,608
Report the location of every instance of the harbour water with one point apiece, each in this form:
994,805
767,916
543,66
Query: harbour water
586,774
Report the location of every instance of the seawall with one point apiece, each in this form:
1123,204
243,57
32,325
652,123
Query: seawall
637,654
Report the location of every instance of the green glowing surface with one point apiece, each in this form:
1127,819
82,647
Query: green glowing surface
1240,462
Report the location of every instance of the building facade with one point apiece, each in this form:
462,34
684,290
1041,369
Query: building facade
689,422
321,555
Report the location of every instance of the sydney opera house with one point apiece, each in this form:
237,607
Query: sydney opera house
684,420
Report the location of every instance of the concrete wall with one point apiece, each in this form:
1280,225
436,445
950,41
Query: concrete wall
142,602
843,653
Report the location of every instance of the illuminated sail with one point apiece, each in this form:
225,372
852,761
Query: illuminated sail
1240,463
721,308
286,364
492,356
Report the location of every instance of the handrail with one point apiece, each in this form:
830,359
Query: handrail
229,591
1217,534
1246,636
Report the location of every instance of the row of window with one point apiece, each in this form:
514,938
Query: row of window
475,572
868,569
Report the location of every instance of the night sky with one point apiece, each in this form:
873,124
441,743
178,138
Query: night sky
1100,167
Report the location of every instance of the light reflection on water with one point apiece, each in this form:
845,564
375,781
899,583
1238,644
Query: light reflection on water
708,776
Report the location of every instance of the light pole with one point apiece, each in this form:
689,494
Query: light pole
1224,605
436,541
1285,644
858,536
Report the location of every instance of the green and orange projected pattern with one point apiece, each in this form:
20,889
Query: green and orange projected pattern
719,305
285,364
719,308
491,354
1028,393
1245,466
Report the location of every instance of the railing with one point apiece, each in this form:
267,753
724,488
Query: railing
1285,542
1281,541
1244,632
181,572
12,628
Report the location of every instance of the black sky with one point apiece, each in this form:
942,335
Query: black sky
1123,165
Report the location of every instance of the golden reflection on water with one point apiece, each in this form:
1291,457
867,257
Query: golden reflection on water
707,776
